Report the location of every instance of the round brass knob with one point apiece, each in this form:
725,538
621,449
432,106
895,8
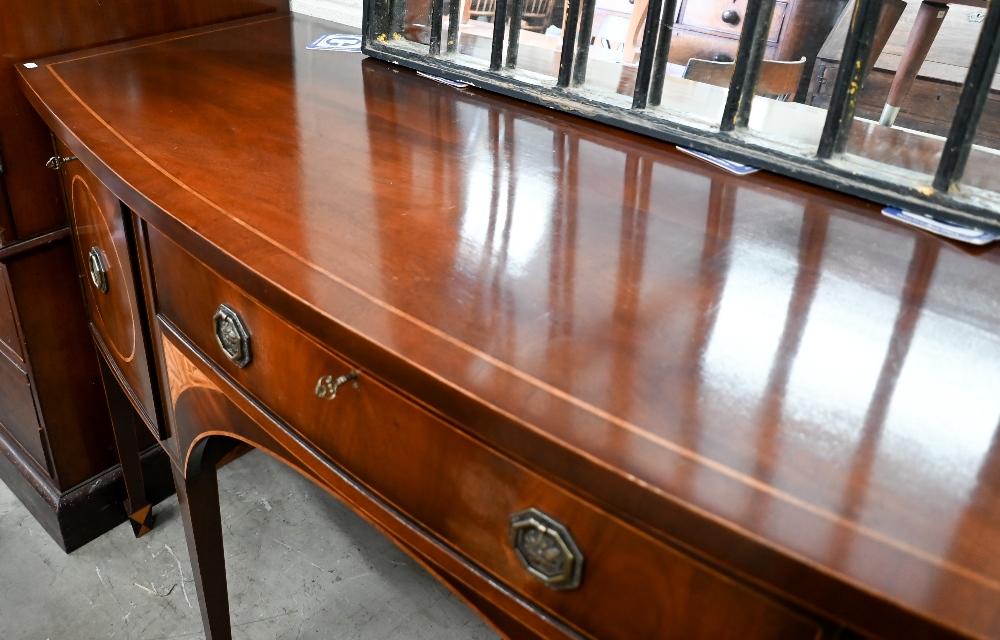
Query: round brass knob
232,335
98,269
730,17
546,549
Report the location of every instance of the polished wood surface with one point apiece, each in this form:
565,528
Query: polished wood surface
770,377
65,469
382,439
117,314
37,28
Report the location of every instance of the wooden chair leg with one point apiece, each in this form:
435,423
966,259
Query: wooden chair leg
123,422
635,26
198,495
930,16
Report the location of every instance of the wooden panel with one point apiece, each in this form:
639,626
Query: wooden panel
32,29
7,231
708,15
685,45
9,336
60,352
390,445
17,410
116,314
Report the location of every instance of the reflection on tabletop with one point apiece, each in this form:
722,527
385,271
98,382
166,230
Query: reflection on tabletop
776,120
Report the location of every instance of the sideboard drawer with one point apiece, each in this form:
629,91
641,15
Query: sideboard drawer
631,584
726,17
17,410
109,280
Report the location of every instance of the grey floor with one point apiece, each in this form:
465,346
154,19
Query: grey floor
300,565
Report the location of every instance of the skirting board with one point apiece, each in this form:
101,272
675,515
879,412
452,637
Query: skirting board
88,510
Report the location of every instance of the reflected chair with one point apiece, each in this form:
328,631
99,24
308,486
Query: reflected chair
537,15
482,8
779,79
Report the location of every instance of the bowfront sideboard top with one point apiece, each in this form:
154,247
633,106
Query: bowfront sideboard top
772,378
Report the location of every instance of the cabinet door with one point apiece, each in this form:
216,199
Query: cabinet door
102,236
10,338
7,231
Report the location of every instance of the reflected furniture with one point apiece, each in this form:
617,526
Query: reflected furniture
917,79
777,78
710,30
57,453
597,387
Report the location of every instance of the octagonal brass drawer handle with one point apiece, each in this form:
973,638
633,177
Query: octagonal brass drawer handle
232,336
546,549
98,269
327,386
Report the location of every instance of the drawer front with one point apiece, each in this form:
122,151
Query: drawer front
109,280
8,324
17,410
685,45
720,16
632,586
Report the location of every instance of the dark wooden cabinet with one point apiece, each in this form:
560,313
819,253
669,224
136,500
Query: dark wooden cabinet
55,423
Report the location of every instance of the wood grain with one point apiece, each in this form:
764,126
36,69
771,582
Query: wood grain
771,377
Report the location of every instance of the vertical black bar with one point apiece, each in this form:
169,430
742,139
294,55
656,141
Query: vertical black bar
662,51
499,22
847,86
569,41
746,69
397,16
970,104
454,16
645,70
514,39
437,16
583,41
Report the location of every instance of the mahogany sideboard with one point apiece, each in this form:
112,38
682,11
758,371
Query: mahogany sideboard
597,387
57,453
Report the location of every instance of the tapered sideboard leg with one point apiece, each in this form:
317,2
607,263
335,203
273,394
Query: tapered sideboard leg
124,424
198,495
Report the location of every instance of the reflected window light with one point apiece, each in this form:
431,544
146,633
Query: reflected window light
751,318
504,231
840,357
946,409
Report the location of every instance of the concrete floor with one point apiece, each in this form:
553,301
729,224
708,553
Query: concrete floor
300,565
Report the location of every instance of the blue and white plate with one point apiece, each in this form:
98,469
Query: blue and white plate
948,230
348,42
728,165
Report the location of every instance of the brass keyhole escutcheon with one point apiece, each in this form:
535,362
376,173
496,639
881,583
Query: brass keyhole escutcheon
546,549
232,336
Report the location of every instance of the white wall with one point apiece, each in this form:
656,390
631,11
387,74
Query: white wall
342,11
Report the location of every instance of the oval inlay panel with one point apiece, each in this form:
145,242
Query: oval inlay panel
112,310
